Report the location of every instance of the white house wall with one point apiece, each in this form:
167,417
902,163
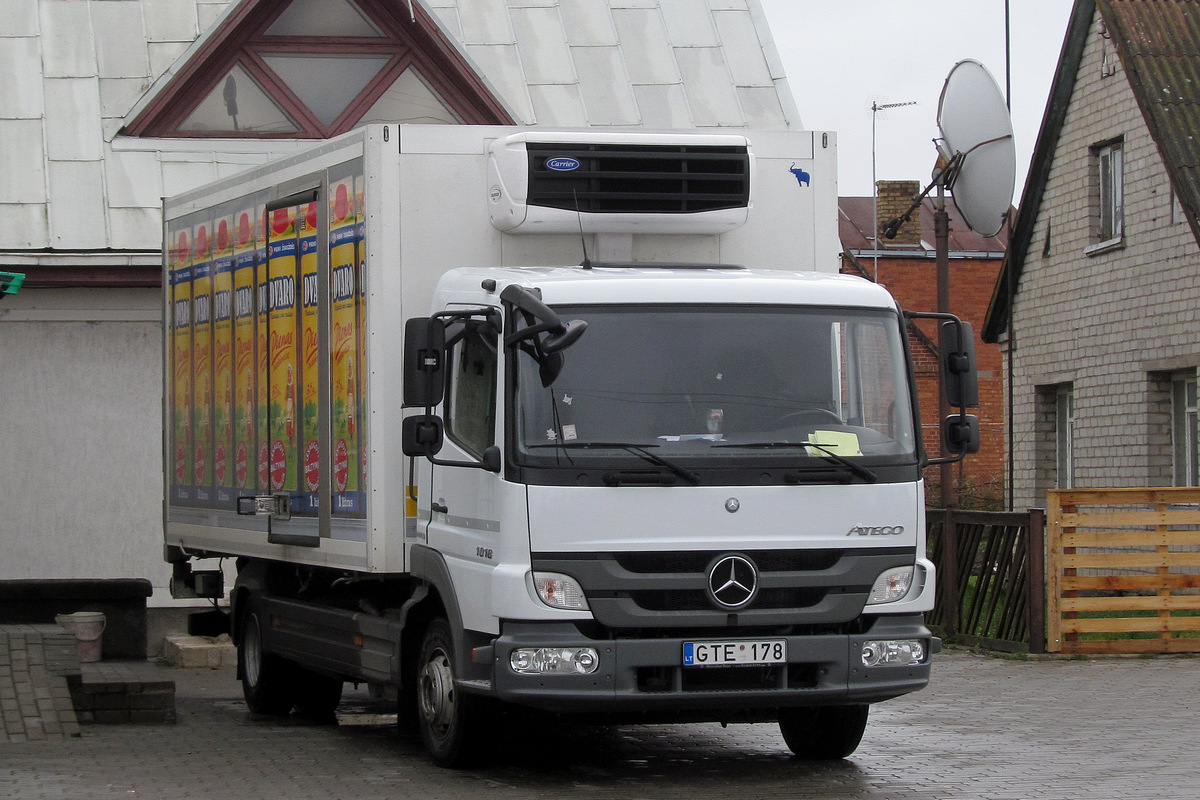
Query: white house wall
1109,323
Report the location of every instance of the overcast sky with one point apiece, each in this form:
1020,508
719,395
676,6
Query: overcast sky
840,55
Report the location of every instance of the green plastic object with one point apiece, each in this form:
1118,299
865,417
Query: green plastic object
10,282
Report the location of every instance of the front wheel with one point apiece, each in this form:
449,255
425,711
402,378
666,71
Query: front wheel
449,719
825,733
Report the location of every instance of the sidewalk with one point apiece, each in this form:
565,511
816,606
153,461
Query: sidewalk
46,693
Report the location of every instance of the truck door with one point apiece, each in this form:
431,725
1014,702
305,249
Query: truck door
464,510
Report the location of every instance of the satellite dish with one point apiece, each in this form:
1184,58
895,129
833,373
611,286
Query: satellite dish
976,129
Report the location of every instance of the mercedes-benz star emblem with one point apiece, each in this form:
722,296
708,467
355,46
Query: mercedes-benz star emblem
732,582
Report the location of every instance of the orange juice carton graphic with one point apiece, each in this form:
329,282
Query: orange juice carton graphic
343,345
310,453
244,384
202,363
181,357
283,306
262,352
223,377
360,245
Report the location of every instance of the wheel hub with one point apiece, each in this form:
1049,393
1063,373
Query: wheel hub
436,691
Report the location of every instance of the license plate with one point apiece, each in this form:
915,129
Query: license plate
722,654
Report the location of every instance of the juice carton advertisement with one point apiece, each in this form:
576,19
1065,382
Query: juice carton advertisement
245,400
360,244
181,364
262,351
344,348
310,449
222,288
283,307
202,363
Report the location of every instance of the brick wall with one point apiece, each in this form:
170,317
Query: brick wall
1113,325
913,282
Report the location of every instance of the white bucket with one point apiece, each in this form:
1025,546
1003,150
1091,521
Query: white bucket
86,627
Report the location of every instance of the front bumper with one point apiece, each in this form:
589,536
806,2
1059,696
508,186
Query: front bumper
646,675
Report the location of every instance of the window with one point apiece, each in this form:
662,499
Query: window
471,393
1184,428
318,68
1110,195
1064,437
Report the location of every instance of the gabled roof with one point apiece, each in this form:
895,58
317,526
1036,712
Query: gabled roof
565,63
1158,42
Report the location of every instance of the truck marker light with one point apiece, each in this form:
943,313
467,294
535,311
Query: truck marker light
891,586
559,591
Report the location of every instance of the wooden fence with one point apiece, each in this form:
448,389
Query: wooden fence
990,578
1123,571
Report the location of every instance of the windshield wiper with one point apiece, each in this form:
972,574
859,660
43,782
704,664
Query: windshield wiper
633,448
827,452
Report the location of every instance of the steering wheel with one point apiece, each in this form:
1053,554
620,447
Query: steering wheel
818,414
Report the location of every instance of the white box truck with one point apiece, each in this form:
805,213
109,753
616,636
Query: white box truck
457,467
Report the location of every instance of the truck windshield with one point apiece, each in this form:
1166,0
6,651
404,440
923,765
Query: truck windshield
683,390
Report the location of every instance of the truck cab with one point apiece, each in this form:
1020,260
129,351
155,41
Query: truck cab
708,504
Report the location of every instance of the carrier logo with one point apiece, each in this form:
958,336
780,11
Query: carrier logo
732,582
884,530
562,164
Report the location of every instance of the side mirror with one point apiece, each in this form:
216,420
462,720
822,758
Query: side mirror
960,434
424,354
957,346
421,435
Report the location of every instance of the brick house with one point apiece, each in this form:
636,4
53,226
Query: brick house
906,265
1100,286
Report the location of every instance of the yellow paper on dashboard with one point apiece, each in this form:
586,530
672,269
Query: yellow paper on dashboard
839,443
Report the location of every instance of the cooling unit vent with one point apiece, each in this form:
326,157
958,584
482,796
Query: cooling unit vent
647,183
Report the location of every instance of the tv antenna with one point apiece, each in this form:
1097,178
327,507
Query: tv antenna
877,107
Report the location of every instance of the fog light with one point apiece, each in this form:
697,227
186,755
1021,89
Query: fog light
893,652
554,660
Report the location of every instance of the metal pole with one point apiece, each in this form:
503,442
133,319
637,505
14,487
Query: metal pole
941,228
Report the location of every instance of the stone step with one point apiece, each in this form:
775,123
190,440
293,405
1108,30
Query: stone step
191,652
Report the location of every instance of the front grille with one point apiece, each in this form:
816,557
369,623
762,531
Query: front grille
665,591
694,599
626,178
652,680
767,561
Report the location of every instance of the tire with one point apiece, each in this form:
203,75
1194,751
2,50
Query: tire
317,696
267,679
450,721
825,733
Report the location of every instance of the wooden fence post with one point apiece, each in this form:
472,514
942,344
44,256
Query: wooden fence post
1036,581
953,599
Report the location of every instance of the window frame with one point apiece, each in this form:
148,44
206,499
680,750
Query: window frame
1064,436
1185,429
1108,196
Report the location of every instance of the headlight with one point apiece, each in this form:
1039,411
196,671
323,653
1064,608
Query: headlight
559,591
542,660
891,586
893,653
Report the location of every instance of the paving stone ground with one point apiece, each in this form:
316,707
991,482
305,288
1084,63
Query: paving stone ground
1104,729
